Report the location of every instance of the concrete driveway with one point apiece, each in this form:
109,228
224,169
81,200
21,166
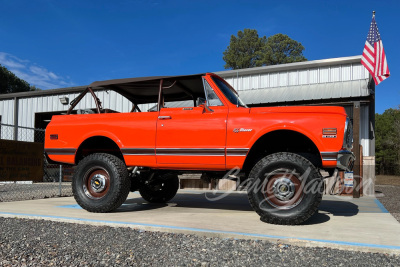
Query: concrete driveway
342,222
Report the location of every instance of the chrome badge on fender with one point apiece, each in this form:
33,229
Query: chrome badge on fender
237,130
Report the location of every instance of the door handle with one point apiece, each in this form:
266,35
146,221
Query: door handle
164,117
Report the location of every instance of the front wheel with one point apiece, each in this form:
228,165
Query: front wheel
285,189
101,183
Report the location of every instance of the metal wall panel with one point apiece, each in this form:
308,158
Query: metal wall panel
256,83
273,79
359,72
246,83
234,83
324,75
293,78
264,80
303,77
346,72
7,117
239,83
283,79
313,76
340,73
230,81
23,109
7,111
335,74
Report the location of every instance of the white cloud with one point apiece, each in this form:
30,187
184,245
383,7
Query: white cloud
10,61
32,73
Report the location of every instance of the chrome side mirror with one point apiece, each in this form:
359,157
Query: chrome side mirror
202,102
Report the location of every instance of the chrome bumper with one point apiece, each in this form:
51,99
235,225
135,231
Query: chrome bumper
345,160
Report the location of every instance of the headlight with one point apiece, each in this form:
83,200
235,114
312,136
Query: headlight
348,135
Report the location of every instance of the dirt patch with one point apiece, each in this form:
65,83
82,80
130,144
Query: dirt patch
387,180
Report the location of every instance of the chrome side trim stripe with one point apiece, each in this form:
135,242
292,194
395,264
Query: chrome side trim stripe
215,152
190,152
237,151
60,151
329,156
138,151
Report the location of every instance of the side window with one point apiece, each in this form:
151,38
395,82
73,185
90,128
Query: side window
211,96
179,104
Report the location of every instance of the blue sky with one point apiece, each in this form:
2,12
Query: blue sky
53,44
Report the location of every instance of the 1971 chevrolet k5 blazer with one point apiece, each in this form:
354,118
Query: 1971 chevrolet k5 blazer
198,123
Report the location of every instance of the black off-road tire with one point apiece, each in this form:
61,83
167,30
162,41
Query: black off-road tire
285,189
160,189
101,183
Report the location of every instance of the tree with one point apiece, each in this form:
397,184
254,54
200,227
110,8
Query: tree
245,50
34,88
281,49
10,83
248,50
388,142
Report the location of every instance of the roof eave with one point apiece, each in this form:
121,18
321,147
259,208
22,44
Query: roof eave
291,66
59,91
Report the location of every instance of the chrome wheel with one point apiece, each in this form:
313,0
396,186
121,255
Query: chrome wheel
96,183
283,189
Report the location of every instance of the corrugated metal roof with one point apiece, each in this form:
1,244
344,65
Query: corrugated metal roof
292,66
334,90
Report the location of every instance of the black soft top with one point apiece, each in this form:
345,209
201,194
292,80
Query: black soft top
146,89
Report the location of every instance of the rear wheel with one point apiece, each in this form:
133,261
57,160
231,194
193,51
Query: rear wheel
101,183
285,189
160,188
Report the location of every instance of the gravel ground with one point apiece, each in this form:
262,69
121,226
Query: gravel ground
390,198
17,192
38,243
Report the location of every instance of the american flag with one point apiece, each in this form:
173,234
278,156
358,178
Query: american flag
373,57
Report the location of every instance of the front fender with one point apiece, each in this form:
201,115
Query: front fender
287,127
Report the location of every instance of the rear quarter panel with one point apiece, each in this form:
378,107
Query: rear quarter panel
127,130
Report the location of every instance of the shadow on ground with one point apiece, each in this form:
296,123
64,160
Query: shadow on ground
237,202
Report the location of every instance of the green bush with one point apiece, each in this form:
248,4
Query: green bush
388,142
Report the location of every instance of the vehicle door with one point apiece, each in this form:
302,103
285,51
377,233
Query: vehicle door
193,136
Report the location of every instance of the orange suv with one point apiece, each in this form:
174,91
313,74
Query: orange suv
198,123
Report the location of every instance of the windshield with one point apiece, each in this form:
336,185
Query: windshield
228,91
